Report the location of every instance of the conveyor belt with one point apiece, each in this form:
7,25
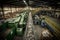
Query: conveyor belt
29,34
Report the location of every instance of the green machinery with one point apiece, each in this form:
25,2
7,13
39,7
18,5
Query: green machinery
14,26
8,29
22,24
14,23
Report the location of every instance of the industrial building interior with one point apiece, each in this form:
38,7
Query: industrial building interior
29,19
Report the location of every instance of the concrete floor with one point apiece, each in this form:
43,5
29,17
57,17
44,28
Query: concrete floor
39,33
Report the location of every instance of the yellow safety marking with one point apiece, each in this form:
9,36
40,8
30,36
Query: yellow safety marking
51,23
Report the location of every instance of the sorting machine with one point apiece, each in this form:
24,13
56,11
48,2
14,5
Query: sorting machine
13,26
22,24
